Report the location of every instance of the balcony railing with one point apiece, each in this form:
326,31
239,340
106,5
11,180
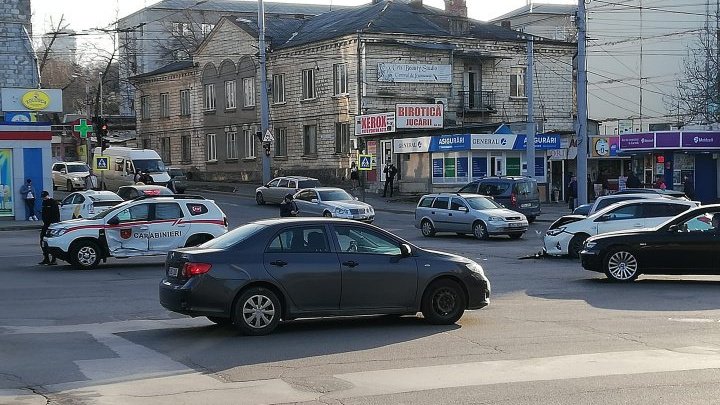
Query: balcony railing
480,101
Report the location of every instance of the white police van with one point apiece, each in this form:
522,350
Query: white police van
145,226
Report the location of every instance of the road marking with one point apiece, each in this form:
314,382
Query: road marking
694,320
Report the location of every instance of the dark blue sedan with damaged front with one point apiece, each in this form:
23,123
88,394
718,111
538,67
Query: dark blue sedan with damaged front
282,269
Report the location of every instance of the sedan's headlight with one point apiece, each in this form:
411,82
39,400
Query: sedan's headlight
475,268
590,245
342,211
491,219
53,232
556,231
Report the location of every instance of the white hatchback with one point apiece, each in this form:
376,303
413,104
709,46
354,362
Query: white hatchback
567,235
85,204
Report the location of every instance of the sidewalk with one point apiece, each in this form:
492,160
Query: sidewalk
398,204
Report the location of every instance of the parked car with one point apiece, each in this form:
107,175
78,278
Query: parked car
567,235
282,269
607,200
178,179
332,202
135,191
85,204
583,210
143,227
472,214
517,193
279,187
70,174
667,193
686,244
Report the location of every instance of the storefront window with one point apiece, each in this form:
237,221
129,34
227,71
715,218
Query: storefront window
450,168
6,186
683,166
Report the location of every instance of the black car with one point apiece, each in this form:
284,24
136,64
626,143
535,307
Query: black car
687,244
290,268
518,193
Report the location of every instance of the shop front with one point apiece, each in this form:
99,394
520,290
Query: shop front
606,167
676,157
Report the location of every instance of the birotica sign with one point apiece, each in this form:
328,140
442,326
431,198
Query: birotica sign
35,100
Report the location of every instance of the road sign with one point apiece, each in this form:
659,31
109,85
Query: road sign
83,128
364,162
101,162
268,137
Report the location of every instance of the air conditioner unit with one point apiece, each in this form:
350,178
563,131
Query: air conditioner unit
441,100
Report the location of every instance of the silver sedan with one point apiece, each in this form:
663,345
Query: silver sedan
332,202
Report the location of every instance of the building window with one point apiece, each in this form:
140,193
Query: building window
165,149
517,82
249,92
248,144
146,144
342,137
184,102
211,148
340,78
232,145
310,140
185,148
164,105
145,107
229,94
180,29
278,88
308,84
210,97
280,141
205,28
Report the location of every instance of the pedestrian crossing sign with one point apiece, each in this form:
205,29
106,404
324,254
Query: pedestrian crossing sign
364,162
101,162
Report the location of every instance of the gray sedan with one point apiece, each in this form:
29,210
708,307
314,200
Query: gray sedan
283,269
332,202
475,214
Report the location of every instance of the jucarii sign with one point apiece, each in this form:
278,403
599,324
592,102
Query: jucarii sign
375,123
419,115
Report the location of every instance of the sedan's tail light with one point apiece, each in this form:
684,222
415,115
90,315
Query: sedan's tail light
513,199
195,269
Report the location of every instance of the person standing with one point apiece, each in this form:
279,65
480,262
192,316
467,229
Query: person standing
91,181
28,194
288,207
354,175
689,188
572,192
50,215
633,181
390,172
659,183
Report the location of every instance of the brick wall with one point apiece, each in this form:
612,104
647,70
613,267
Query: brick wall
17,63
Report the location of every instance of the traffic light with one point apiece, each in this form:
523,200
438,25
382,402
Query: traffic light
266,146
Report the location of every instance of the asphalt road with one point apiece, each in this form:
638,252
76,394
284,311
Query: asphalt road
553,333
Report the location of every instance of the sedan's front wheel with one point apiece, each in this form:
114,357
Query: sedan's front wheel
621,265
480,231
259,199
443,302
257,312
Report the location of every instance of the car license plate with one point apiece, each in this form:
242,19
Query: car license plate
516,225
173,271
525,205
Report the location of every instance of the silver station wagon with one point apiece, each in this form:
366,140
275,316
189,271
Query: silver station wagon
473,214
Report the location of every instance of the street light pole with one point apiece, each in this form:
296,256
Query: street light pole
101,95
264,107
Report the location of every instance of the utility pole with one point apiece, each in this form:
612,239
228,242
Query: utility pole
582,113
530,127
264,107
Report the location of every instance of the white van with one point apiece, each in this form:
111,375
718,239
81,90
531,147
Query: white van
124,162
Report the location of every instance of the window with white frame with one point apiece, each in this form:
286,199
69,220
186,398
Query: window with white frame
278,88
340,78
205,28
185,148
181,29
184,102
249,92
308,84
209,97
310,140
145,107
248,143
232,145
164,105
517,82
342,138
280,141
230,94
211,148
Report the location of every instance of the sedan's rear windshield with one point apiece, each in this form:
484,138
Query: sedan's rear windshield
482,203
233,237
77,168
334,195
308,183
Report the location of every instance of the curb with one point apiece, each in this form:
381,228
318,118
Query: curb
19,228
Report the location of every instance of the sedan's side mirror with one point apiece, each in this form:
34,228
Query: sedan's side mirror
355,198
314,201
463,209
267,185
604,218
405,250
114,221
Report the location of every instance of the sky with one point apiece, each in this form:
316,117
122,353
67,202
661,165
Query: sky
89,14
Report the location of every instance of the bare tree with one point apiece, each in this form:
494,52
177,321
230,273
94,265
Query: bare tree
184,37
698,90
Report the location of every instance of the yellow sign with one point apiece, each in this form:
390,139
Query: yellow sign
35,100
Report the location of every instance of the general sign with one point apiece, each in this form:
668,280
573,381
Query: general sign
49,100
419,115
414,73
412,145
364,162
375,123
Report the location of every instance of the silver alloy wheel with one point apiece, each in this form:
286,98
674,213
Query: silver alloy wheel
427,228
258,311
622,265
86,255
480,231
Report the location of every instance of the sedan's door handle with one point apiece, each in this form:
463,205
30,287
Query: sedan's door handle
279,263
638,225
350,263
143,228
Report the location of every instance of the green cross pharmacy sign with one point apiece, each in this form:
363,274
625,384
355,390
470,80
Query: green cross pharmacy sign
83,128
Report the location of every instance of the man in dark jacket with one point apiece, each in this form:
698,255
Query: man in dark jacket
390,172
633,181
288,208
50,215
689,188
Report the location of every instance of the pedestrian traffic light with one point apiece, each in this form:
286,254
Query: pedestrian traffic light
266,146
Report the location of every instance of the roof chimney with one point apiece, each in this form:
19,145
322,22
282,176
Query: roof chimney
456,7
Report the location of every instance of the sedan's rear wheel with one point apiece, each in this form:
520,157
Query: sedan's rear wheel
621,265
427,228
257,312
259,199
480,231
443,302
